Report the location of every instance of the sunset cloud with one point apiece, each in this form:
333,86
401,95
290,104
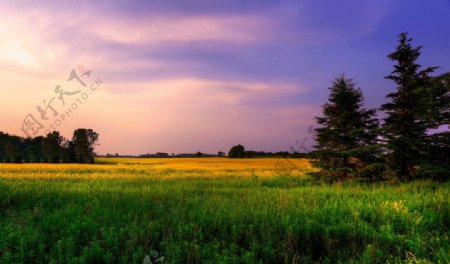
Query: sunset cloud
200,75
166,29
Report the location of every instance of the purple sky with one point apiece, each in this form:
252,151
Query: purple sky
187,76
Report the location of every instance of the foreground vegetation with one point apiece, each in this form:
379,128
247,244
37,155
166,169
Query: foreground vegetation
214,210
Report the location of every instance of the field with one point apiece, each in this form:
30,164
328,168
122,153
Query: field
215,210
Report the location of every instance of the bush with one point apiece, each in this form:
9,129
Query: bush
237,151
373,172
434,171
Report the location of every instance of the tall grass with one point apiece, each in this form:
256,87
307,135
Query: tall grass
241,213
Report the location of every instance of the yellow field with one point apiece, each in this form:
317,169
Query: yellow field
152,167
206,163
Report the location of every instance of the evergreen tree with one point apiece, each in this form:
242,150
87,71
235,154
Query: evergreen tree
439,100
347,136
436,163
408,112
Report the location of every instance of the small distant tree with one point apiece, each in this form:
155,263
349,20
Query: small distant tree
237,151
9,148
12,150
33,149
3,139
221,154
198,154
52,147
84,142
347,136
70,153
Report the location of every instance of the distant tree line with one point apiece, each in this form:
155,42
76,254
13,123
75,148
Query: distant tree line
53,148
246,154
239,151
160,155
413,138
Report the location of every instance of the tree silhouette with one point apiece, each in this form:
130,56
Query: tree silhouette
52,147
237,151
408,112
347,136
84,142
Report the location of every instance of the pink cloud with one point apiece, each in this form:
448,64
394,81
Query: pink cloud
168,114
163,29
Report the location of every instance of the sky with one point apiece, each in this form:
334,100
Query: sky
184,76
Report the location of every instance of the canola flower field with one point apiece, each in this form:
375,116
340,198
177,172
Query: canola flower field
215,210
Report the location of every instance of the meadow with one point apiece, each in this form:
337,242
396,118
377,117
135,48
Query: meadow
215,210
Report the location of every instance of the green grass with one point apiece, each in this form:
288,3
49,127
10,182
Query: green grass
194,218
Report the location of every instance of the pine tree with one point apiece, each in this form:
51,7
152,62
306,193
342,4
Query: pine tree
347,136
439,101
436,164
408,112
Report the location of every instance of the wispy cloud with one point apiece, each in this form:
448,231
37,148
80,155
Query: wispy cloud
203,90
182,73
166,29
